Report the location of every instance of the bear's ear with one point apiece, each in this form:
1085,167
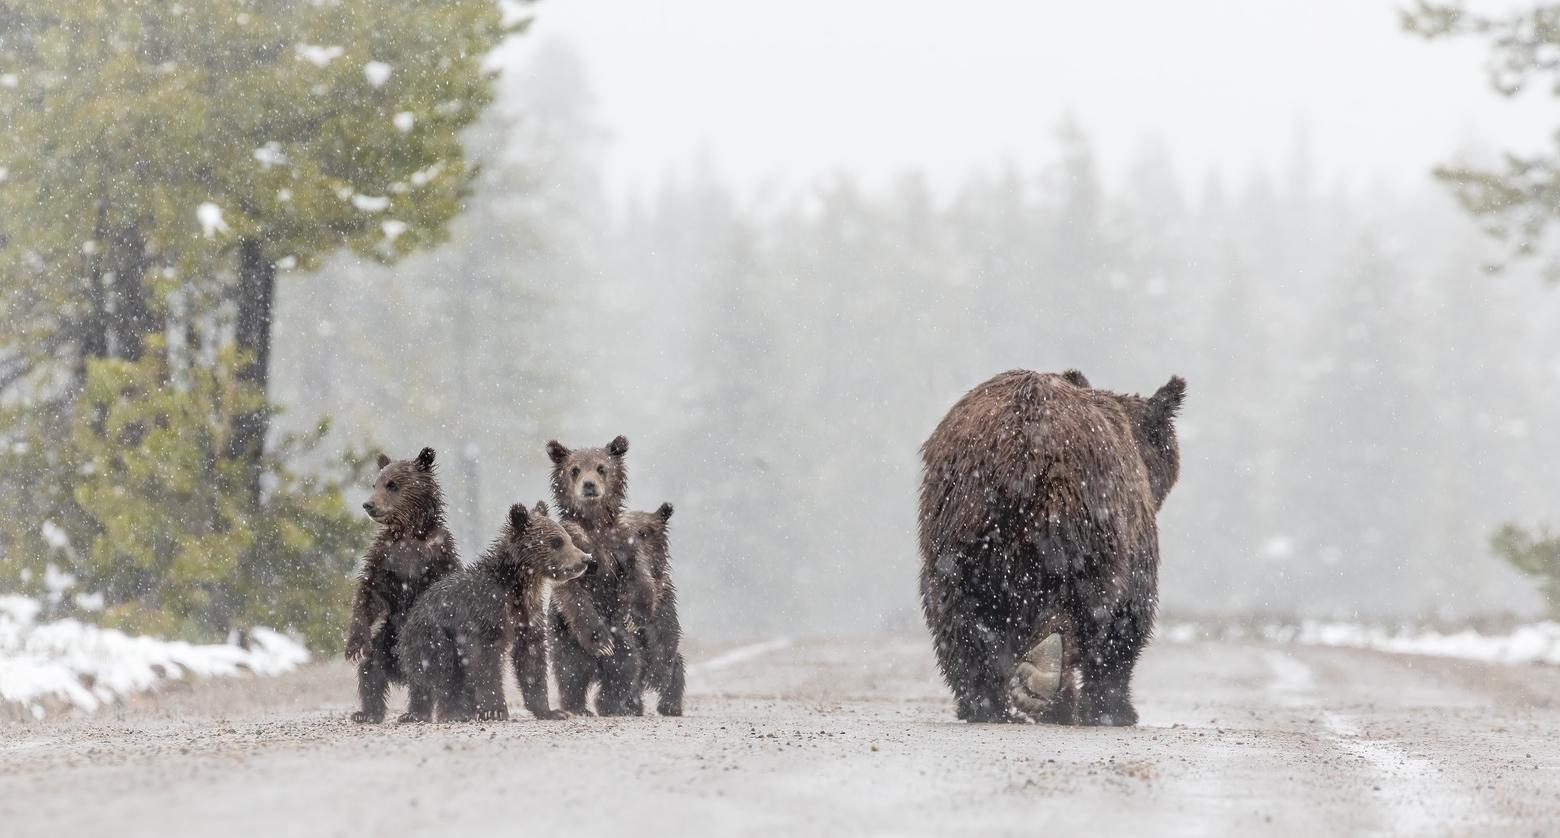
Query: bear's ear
1075,378
557,452
383,461
1165,403
665,512
541,510
618,446
519,519
425,459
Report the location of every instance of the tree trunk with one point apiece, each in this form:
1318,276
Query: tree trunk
93,325
133,318
119,314
256,292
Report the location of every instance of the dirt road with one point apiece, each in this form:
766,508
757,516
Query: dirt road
827,737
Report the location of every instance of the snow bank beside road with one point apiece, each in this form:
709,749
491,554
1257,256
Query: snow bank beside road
44,666
1529,643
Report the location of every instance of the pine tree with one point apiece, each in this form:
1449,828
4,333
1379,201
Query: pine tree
161,164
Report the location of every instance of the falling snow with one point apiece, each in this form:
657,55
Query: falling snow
377,73
210,217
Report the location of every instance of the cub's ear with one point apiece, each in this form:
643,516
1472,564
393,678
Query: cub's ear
425,459
557,452
1075,378
1166,402
618,446
665,511
383,461
519,519
541,510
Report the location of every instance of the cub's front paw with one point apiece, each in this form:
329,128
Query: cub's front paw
363,717
413,718
604,649
500,714
556,715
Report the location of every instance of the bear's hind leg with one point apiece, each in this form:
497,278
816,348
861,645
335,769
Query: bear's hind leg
622,691
672,691
1108,656
419,704
976,664
574,669
485,672
373,683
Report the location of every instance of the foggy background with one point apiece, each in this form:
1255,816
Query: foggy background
773,245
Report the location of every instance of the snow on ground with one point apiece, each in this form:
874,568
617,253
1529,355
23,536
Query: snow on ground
68,663
1529,643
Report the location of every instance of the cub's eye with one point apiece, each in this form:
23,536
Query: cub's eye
645,533
574,472
556,543
391,486
601,470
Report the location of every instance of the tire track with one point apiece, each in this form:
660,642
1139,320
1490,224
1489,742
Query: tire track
1413,792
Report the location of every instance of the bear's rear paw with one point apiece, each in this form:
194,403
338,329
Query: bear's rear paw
557,715
1108,714
985,711
499,715
1118,718
669,709
363,717
413,718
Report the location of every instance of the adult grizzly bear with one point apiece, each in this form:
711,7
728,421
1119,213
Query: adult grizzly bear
1037,511
590,641
411,551
452,645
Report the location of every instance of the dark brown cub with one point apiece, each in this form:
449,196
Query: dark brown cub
590,643
454,640
411,551
650,600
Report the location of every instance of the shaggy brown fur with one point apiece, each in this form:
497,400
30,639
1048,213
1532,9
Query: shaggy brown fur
452,645
411,551
590,643
1039,496
650,600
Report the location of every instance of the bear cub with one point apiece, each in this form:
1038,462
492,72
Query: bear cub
453,643
411,551
649,601
588,620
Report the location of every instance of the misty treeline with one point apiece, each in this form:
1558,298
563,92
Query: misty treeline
1350,440
776,357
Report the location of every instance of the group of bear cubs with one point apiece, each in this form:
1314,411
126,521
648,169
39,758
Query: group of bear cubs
421,619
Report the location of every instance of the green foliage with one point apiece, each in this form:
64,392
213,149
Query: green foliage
164,501
173,543
1535,554
306,541
297,120
1518,201
144,143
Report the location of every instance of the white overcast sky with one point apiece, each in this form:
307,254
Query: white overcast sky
779,94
